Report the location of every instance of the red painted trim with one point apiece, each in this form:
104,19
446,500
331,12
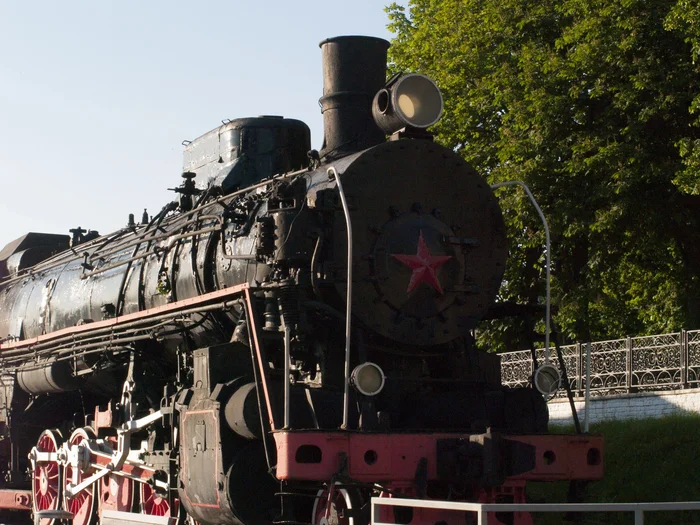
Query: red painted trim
263,376
139,471
395,457
570,454
16,499
116,321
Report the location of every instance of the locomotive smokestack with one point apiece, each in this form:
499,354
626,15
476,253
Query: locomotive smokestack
354,69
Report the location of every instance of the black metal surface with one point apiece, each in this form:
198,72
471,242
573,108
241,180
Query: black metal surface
224,478
242,412
354,69
29,250
219,364
397,191
48,376
243,151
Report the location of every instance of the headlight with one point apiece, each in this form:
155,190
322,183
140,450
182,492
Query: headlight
368,379
547,380
411,100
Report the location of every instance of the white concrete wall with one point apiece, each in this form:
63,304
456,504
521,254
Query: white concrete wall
627,406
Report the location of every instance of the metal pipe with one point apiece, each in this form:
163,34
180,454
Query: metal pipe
548,258
484,508
145,237
287,357
256,351
348,304
74,340
142,236
64,258
61,258
155,251
121,263
314,261
246,314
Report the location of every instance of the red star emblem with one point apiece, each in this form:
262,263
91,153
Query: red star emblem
423,265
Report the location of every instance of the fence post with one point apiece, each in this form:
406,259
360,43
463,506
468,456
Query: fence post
684,358
579,370
628,365
588,388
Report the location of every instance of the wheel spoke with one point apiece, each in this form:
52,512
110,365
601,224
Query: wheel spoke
155,505
115,493
82,504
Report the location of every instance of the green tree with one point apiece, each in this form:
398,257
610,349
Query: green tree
593,104
683,19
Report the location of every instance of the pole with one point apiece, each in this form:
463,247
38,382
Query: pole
587,418
348,302
287,358
548,256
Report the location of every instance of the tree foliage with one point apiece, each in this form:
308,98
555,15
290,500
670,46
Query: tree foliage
595,105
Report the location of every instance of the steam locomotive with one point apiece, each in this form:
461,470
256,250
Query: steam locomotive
289,337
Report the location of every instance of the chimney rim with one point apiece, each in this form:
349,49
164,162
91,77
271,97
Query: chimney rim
352,37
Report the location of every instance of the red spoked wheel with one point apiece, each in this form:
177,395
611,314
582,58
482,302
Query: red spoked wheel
46,483
115,493
339,508
82,505
153,504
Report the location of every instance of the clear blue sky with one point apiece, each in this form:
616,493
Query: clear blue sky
96,97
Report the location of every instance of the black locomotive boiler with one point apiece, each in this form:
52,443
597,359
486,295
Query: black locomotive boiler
289,337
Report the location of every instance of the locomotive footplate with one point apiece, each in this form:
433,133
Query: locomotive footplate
15,499
313,455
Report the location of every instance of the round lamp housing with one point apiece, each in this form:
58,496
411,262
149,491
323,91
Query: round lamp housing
547,380
412,100
368,379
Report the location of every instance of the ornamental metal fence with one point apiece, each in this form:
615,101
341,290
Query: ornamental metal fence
633,364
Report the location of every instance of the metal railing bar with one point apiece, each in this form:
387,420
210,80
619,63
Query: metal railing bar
483,508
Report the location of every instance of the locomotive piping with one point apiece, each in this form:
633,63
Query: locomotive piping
60,259
287,357
255,347
548,255
348,305
106,326
259,382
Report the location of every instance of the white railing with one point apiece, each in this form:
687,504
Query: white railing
482,509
